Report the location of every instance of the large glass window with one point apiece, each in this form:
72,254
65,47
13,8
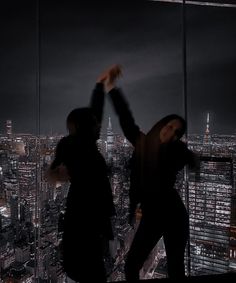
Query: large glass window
174,60
210,64
77,43
18,141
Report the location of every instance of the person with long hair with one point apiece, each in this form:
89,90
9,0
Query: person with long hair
157,158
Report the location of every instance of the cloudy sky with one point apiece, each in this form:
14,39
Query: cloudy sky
74,43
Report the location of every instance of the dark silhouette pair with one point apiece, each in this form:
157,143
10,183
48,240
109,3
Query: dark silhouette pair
157,158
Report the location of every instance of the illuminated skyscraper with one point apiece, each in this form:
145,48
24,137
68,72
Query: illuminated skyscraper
0,223
9,127
207,137
210,197
109,141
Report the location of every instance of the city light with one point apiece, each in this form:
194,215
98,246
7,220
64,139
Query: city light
211,194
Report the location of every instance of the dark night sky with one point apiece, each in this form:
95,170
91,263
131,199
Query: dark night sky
78,41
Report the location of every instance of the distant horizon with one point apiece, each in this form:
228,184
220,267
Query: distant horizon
116,131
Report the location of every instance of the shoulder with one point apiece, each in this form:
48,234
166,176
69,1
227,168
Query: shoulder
182,148
180,151
63,141
188,155
178,146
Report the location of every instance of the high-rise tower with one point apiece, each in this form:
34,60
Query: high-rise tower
207,136
210,196
110,140
9,127
14,209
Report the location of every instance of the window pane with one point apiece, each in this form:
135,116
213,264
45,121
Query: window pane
18,141
77,43
51,56
211,97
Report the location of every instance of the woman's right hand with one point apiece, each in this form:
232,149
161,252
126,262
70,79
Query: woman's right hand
114,73
109,76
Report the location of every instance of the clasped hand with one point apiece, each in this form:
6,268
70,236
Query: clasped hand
109,76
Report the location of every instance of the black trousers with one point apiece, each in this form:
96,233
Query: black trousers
175,231
83,260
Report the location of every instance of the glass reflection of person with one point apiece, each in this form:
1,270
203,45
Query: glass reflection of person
157,158
89,204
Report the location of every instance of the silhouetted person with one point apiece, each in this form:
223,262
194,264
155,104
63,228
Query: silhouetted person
157,158
89,205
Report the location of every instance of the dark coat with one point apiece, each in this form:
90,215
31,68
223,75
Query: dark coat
154,166
89,204
89,201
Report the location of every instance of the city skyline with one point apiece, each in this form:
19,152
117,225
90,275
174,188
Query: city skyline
78,41
211,203
8,129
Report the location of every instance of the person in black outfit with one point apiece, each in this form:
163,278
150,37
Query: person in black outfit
157,158
89,204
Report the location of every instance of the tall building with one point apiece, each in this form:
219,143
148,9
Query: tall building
14,209
25,213
207,136
109,141
0,223
232,252
9,127
210,196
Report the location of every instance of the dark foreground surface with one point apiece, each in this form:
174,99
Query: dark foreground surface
228,277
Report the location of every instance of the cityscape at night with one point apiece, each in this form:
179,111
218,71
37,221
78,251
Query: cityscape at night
31,208
173,60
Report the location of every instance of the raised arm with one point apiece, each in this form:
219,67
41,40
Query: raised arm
97,98
121,106
127,122
97,101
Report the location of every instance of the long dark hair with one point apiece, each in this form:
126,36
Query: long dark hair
155,130
83,119
153,143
